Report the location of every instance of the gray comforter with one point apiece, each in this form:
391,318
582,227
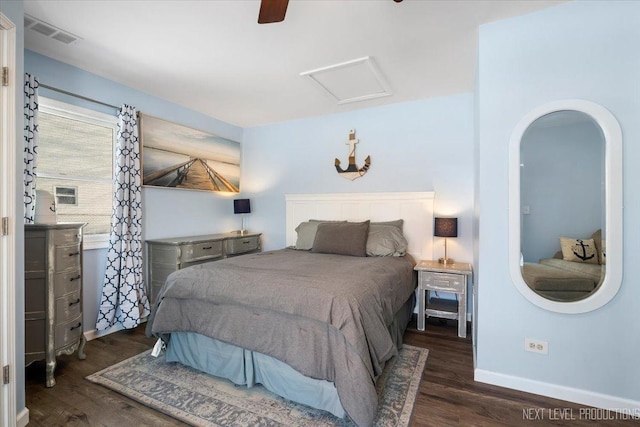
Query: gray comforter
324,315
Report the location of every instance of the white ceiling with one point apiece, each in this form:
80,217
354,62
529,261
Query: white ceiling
213,57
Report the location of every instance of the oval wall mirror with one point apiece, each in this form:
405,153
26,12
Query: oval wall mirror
565,200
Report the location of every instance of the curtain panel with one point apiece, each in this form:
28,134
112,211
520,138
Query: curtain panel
30,154
124,301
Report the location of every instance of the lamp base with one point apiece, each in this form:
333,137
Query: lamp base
446,261
242,230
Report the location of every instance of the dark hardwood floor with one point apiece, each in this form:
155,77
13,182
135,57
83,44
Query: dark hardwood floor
448,396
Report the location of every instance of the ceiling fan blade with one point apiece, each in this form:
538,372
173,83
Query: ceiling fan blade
272,11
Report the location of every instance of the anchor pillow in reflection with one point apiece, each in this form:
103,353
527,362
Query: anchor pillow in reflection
579,250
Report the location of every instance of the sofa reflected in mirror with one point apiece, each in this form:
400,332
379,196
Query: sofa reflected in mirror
573,273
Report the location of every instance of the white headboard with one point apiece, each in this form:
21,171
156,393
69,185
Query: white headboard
416,209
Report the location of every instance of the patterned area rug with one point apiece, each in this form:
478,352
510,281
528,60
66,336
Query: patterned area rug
204,400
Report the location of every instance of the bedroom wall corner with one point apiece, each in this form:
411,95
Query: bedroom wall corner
585,50
476,215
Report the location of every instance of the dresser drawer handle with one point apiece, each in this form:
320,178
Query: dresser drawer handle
207,248
246,242
74,302
76,327
74,253
75,278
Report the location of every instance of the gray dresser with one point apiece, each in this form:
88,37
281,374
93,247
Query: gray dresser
53,293
165,256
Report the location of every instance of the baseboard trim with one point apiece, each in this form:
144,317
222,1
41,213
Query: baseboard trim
23,418
94,333
583,397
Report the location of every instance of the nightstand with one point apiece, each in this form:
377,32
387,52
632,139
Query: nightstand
450,278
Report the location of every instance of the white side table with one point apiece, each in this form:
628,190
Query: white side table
451,278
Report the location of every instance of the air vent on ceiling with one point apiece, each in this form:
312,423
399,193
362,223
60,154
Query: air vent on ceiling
351,81
49,30
64,38
43,29
28,21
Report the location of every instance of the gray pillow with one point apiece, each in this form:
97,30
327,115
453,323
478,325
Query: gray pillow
386,240
345,238
396,223
307,233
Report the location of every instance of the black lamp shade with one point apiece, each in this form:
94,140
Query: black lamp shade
446,227
241,206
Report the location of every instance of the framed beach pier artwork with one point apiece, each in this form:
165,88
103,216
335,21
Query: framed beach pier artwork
176,156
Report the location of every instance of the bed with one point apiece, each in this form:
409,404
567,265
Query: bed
314,326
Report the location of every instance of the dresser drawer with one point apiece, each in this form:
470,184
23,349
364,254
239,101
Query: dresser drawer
164,254
154,290
241,245
68,332
35,252
442,281
36,290
199,261
34,336
160,272
67,257
66,237
69,281
68,307
196,251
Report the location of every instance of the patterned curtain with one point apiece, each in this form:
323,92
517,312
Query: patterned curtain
124,300
30,146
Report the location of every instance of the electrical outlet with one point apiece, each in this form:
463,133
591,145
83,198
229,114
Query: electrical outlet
536,346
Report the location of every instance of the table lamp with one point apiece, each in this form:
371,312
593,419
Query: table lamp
446,227
242,206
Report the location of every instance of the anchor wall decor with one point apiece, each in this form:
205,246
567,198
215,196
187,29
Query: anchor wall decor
352,171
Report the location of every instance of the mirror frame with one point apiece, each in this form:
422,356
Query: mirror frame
613,209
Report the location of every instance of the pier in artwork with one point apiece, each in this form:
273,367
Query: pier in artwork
194,174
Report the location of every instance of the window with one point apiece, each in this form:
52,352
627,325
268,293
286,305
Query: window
75,162
66,195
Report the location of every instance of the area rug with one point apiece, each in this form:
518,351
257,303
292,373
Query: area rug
203,400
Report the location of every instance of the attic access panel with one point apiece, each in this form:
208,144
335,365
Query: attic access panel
351,81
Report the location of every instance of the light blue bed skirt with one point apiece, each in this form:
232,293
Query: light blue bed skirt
248,368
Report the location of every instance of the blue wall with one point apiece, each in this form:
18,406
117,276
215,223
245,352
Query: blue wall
167,212
562,184
587,50
414,146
